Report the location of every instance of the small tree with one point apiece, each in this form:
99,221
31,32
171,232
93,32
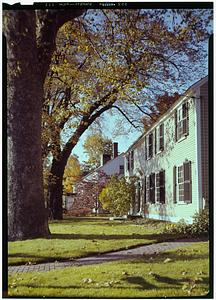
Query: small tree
94,146
117,196
71,174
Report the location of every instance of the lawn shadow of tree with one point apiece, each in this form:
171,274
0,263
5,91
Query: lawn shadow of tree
156,237
138,280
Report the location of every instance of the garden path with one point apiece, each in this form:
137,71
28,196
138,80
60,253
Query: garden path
106,257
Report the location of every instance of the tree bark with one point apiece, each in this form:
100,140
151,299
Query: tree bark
56,190
30,44
27,215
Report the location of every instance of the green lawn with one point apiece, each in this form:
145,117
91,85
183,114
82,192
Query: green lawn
177,273
78,237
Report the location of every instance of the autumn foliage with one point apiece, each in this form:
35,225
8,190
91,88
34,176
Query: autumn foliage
161,105
117,196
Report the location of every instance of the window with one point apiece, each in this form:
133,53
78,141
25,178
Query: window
150,145
155,187
181,121
130,161
121,169
185,182
181,183
159,138
160,187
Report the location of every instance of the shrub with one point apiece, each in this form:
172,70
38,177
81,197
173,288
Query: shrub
199,227
117,196
200,224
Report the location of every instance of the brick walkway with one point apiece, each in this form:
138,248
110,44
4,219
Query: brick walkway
97,259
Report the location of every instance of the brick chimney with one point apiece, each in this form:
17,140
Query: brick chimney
105,158
115,150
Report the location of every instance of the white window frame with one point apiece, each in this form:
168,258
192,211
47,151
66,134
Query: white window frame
180,122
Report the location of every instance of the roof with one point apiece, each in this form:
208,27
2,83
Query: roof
98,168
181,98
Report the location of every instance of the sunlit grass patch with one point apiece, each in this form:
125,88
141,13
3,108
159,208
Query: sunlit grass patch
78,237
176,273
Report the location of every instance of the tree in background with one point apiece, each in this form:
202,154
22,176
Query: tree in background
117,196
158,108
95,145
72,173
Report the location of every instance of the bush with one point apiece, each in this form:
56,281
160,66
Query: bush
200,224
199,227
117,196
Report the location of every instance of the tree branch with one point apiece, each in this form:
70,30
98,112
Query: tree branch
48,23
126,117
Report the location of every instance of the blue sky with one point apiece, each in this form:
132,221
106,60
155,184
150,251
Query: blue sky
124,141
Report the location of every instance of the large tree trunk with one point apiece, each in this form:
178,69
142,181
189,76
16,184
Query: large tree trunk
27,215
30,45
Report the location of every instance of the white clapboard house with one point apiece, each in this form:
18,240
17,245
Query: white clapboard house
170,160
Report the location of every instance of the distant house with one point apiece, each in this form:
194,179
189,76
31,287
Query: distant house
171,162
86,191
110,165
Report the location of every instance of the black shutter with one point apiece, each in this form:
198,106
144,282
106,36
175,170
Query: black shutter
174,185
152,188
132,159
144,190
187,182
145,148
128,162
185,118
155,140
162,186
147,189
176,125
162,137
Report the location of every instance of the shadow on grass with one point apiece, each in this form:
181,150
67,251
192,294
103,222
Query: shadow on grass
143,284
105,221
157,237
179,281
173,256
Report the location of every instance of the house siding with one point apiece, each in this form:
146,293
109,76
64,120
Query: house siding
204,141
175,153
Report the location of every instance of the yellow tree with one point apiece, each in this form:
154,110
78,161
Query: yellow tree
72,173
94,146
115,59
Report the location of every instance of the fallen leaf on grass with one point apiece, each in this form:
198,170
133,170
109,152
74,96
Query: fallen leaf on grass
125,273
107,284
200,273
87,280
